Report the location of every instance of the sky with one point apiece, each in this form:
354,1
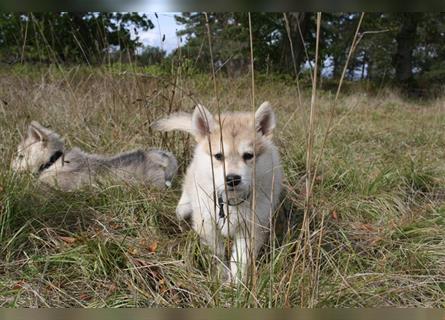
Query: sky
165,24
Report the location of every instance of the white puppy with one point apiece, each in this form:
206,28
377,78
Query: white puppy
235,169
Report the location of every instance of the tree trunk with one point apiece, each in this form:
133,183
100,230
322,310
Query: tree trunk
406,41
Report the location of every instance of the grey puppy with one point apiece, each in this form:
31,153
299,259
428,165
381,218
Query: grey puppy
43,153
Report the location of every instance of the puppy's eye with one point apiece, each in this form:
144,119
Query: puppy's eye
218,156
247,156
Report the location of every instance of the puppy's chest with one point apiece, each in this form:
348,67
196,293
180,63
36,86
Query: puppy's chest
230,218
227,219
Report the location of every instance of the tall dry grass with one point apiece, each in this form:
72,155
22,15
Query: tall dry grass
379,191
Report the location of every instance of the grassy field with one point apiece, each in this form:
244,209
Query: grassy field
374,234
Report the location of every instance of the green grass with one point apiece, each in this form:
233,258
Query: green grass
377,231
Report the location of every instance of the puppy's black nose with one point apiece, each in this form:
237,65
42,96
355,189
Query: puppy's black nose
233,180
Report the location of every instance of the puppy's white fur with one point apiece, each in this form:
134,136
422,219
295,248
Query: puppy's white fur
75,168
243,135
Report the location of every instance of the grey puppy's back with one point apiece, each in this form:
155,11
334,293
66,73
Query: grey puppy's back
152,167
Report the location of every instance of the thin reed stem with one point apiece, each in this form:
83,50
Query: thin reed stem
354,44
305,234
218,107
253,199
294,62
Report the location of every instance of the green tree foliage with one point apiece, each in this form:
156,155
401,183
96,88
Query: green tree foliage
69,37
230,40
429,52
405,48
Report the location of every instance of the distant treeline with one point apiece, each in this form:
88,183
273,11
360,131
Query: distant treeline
406,49
68,37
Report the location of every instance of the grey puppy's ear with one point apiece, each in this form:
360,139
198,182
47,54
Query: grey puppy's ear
265,119
37,132
202,122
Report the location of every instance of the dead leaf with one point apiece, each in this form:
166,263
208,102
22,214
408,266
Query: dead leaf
133,251
394,224
141,263
152,246
49,287
367,227
334,215
68,240
84,297
162,287
19,285
111,287
376,240
115,225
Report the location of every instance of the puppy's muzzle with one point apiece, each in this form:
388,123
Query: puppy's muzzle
233,180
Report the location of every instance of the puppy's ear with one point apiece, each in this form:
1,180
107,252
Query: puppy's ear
37,132
265,119
202,122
